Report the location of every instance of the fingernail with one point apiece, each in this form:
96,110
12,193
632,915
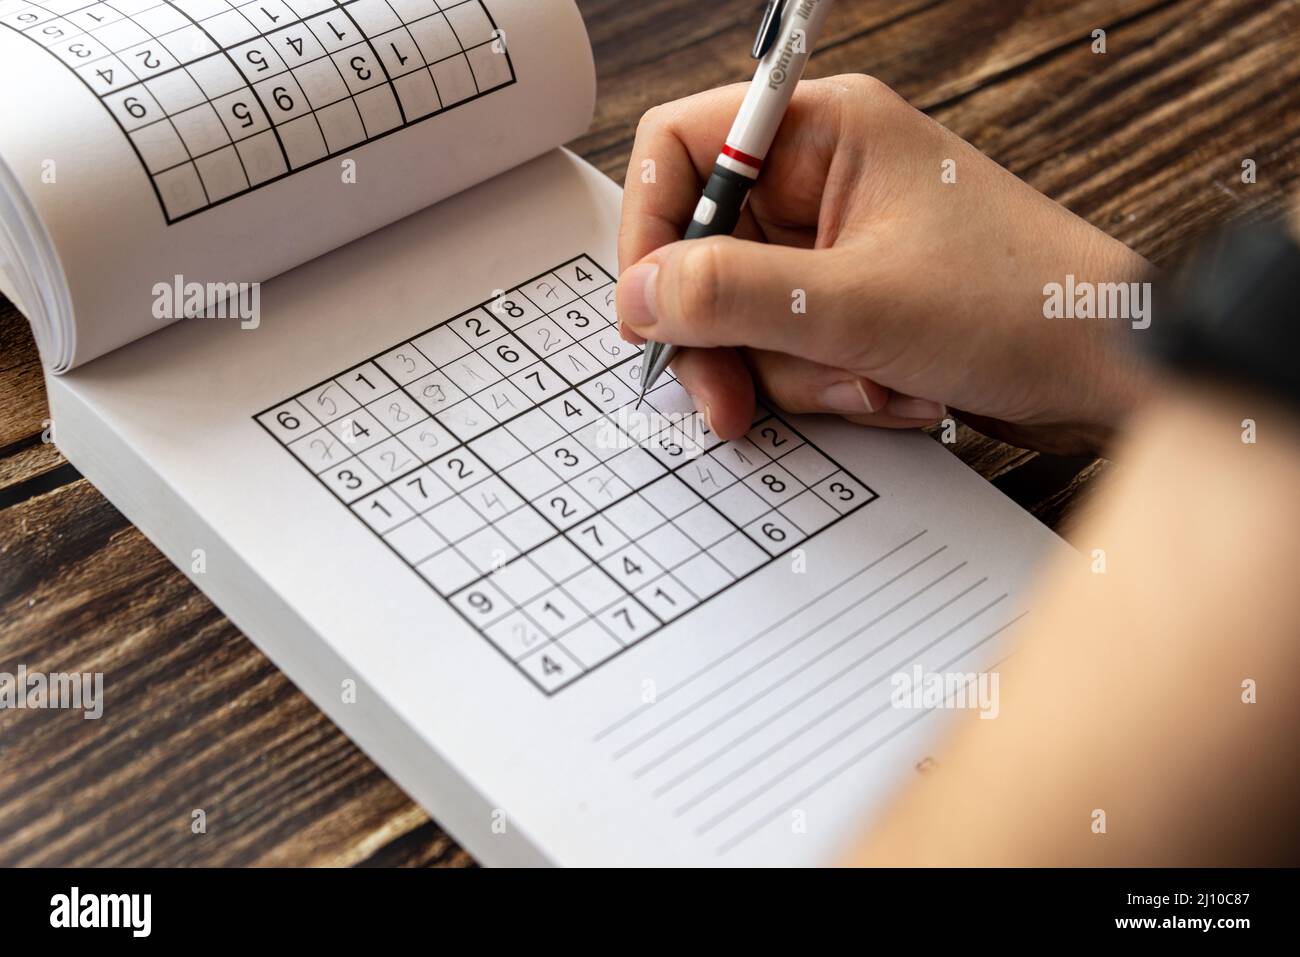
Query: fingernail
907,407
862,390
708,418
702,409
848,398
636,296
629,336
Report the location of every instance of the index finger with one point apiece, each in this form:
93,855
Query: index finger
676,146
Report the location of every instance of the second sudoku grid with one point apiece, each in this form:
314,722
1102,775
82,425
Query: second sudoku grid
219,97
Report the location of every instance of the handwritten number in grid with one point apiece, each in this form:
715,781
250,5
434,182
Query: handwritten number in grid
471,456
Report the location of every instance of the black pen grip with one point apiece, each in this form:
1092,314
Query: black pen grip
727,190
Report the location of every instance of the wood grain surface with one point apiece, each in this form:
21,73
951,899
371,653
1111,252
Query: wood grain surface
1145,141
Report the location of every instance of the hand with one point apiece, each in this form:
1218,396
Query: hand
920,295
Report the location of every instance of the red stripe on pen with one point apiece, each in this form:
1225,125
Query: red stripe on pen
742,157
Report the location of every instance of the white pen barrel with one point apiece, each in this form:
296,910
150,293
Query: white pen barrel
776,78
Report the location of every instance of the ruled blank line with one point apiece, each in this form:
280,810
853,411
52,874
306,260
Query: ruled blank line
766,631
751,731
912,656
700,702
754,828
783,679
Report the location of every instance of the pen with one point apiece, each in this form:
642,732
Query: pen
784,44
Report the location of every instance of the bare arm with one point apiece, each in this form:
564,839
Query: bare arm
1128,695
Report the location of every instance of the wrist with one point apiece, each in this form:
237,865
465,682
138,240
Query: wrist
1119,381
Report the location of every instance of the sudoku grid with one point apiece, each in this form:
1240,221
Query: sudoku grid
496,456
221,97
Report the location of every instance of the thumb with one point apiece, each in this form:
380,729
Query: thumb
723,291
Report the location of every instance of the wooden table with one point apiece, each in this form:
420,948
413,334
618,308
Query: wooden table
1146,141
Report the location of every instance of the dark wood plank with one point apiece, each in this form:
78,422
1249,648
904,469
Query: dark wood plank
30,466
194,718
1147,140
929,51
1144,141
23,411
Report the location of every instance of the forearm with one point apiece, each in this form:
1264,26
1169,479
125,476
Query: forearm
1128,694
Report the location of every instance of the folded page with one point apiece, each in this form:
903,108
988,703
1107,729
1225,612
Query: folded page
149,148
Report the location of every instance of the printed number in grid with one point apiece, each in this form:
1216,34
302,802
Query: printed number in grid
219,97
491,454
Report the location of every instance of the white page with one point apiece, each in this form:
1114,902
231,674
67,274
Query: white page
770,736
125,207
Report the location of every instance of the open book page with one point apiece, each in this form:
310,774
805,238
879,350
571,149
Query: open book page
225,141
572,644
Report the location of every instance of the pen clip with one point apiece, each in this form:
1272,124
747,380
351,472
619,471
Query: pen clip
769,28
